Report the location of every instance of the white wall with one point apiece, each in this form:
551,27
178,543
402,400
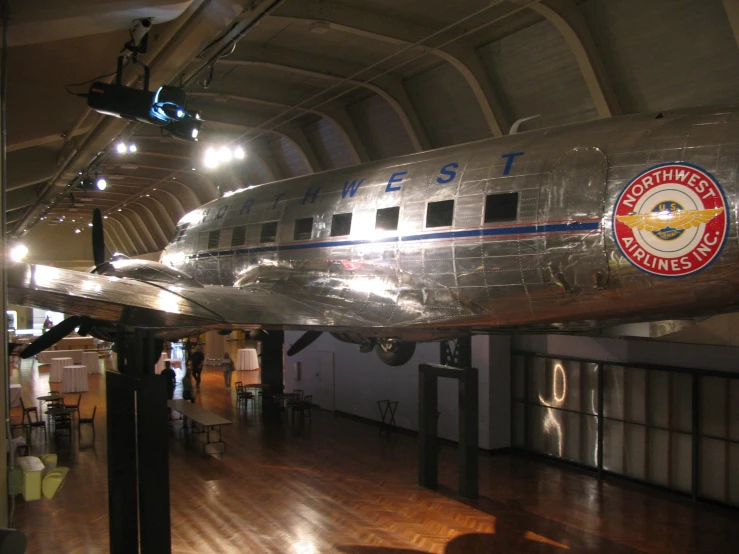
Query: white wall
694,356
359,380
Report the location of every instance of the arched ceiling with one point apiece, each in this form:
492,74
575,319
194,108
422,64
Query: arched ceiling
312,85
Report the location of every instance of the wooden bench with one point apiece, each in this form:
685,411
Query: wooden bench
207,420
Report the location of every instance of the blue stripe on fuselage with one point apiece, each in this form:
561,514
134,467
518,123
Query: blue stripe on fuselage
543,229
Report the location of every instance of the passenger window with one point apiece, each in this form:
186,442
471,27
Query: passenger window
387,219
303,228
239,236
213,238
341,225
440,214
501,207
269,232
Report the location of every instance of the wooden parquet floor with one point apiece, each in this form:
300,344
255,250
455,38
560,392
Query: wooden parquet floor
334,486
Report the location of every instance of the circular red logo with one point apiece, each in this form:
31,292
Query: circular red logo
671,220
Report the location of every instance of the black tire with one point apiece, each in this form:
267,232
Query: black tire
399,354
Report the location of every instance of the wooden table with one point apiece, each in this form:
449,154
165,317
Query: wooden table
206,419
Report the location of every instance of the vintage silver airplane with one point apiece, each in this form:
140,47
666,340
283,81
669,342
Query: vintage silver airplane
630,218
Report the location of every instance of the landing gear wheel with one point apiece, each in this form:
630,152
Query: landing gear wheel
395,353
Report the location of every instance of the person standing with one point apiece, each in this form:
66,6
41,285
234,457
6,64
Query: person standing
171,378
187,390
48,324
198,359
228,369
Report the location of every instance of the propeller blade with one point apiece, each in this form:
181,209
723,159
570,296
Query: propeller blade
98,238
305,340
51,337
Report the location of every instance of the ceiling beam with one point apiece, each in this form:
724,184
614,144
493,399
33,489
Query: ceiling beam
387,87
566,16
458,54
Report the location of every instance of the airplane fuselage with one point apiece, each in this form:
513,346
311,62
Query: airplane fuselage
631,217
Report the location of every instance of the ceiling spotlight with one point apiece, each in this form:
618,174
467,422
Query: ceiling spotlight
211,158
89,224
78,230
132,147
18,252
105,217
120,210
224,154
101,183
121,148
239,153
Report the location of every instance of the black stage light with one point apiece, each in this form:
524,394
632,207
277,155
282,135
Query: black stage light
122,101
187,128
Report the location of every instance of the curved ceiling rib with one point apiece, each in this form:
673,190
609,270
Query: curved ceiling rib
113,241
184,194
138,232
331,113
161,214
171,204
569,21
126,236
458,54
387,87
290,131
152,222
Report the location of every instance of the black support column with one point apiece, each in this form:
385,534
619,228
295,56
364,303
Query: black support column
138,449
428,426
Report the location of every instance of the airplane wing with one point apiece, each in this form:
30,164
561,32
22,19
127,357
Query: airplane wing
316,295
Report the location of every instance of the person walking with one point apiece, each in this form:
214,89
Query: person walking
48,324
228,369
171,378
198,359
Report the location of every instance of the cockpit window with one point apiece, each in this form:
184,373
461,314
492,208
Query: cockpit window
179,234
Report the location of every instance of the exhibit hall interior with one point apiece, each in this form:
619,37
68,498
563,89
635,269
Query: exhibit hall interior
369,277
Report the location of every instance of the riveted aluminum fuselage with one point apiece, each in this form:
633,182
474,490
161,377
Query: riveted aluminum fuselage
557,262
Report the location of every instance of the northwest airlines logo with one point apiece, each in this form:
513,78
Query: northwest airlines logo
671,220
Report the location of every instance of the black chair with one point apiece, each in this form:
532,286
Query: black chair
75,407
31,425
290,405
87,421
242,395
62,425
28,411
303,407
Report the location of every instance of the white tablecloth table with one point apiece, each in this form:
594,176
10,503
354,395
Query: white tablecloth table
15,396
57,366
246,359
46,356
159,367
74,378
91,361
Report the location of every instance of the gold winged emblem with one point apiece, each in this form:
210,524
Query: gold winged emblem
679,220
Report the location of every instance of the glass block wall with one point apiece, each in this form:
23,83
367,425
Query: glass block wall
655,424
